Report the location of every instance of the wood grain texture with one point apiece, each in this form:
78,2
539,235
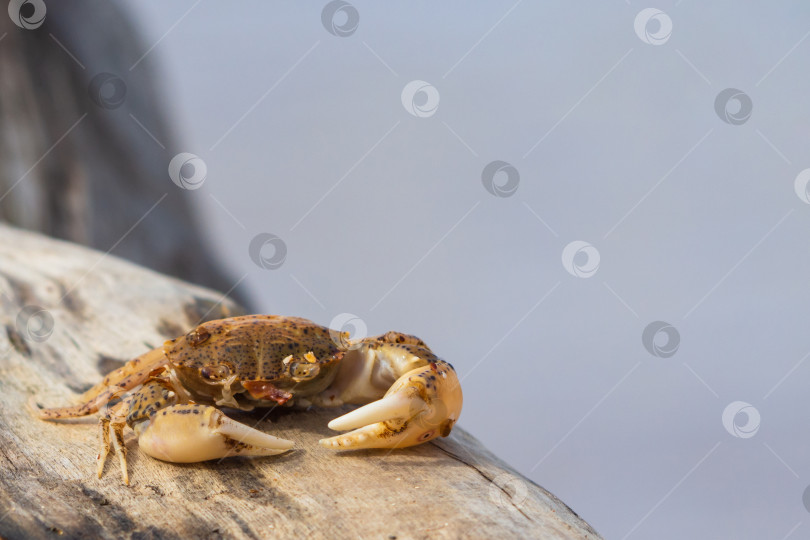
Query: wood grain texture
106,311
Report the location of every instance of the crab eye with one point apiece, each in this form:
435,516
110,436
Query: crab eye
304,370
214,373
198,337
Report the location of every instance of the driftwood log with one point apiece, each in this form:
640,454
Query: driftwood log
70,314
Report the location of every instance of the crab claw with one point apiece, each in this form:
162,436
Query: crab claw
419,406
192,433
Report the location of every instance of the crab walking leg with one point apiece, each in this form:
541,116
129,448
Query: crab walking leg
112,422
191,433
121,380
424,402
141,404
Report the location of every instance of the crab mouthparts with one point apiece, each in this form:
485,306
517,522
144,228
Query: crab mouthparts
266,390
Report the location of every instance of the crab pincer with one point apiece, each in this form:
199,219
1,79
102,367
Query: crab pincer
178,432
191,433
423,403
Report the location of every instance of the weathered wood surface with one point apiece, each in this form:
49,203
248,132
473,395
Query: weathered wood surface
106,311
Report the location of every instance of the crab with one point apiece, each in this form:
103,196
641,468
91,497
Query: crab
171,396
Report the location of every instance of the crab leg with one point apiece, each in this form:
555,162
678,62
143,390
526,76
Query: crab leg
143,403
113,423
180,433
424,401
121,380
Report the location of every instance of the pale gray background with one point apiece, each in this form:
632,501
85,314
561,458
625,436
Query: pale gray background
696,222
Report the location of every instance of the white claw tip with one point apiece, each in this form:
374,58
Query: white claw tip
391,407
328,443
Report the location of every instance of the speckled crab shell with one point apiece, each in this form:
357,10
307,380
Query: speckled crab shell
243,361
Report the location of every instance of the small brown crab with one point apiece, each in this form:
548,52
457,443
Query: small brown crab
169,395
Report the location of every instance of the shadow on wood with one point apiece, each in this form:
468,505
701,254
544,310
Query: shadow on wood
105,311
